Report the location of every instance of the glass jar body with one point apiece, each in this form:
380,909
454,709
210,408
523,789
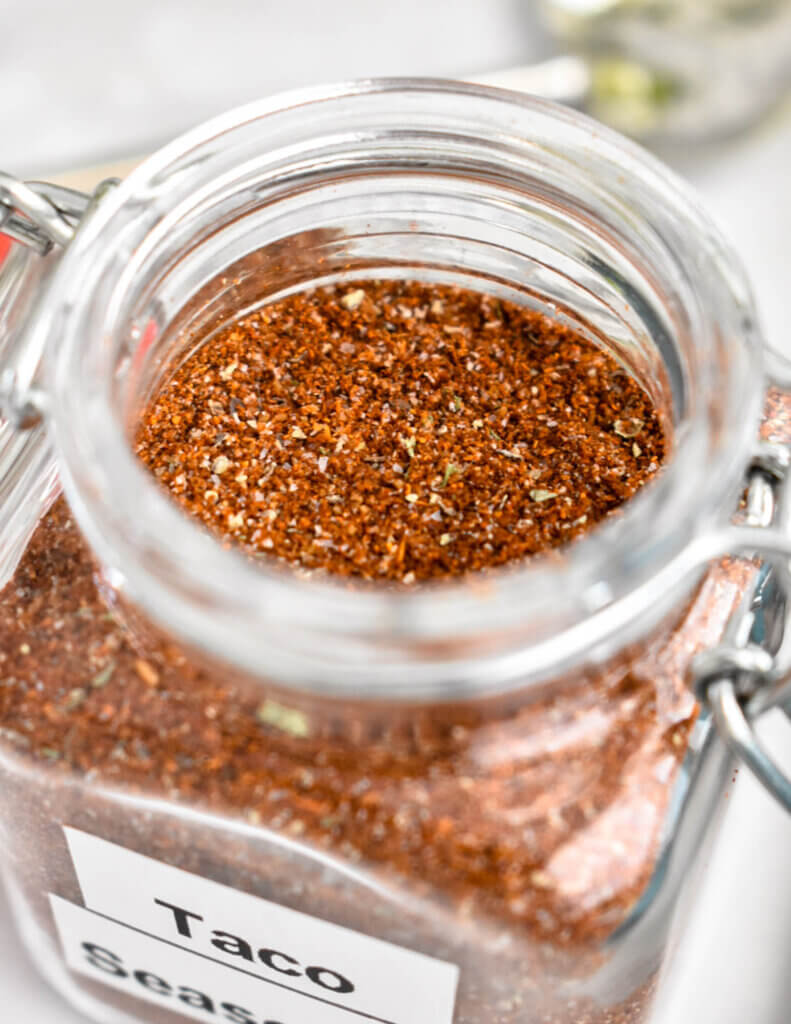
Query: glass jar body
536,842
508,779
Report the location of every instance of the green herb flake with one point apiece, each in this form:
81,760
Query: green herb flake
288,720
451,470
103,677
409,443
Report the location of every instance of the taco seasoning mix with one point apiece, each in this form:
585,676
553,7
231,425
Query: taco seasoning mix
390,433
400,432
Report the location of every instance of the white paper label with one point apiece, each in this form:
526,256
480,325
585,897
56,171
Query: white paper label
216,954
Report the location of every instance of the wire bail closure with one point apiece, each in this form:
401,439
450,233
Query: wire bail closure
38,214
740,679
42,217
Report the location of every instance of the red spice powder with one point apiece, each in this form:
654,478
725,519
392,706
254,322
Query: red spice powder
400,431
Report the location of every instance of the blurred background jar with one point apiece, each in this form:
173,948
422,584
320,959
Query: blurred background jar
684,69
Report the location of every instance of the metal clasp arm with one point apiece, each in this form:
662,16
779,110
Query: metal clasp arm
37,214
740,679
42,217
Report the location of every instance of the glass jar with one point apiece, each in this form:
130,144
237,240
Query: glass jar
233,793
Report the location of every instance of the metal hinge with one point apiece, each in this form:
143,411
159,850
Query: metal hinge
748,673
42,217
38,214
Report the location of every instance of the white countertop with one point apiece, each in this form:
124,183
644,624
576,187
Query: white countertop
156,78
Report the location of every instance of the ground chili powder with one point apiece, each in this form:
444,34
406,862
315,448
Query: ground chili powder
400,431
531,825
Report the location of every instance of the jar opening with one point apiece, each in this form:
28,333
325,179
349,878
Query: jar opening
438,181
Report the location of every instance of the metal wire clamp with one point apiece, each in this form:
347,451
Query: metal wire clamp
42,217
740,679
38,214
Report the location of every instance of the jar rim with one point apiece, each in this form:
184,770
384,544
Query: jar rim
467,637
